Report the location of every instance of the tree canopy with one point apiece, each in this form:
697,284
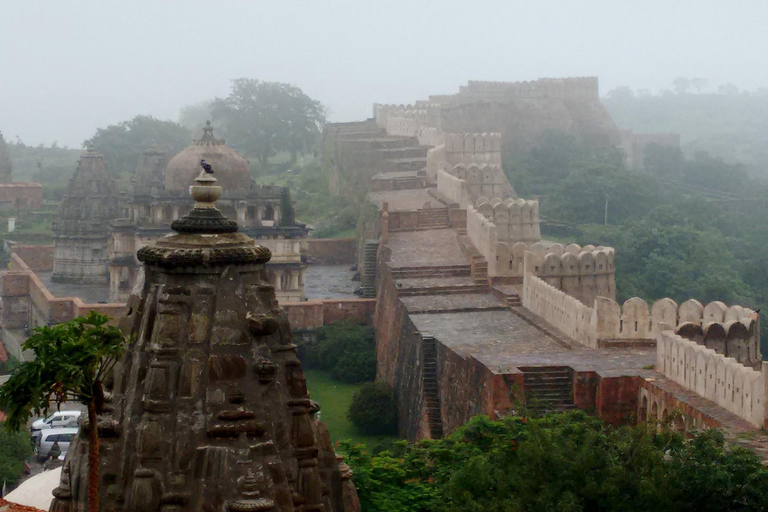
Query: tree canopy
72,360
261,118
123,143
565,462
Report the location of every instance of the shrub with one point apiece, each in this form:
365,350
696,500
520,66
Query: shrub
346,351
373,410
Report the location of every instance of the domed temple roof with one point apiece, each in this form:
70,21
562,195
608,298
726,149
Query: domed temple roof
229,167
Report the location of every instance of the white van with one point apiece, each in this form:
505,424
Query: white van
59,419
63,436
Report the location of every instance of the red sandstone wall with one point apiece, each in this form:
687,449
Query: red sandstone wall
20,195
467,388
312,314
359,311
398,348
329,251
617,399
36,257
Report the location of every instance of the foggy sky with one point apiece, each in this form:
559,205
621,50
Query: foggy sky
69,67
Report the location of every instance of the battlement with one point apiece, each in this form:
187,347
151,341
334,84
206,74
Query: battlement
716,377
577,87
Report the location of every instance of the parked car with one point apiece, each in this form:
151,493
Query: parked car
63,436
59,419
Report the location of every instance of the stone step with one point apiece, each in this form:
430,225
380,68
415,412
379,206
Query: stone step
448,290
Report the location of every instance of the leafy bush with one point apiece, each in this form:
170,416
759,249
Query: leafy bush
564,462
373,410
14,449
347,351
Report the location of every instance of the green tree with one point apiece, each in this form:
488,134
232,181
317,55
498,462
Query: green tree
72,361
347,351
565,462
262,118
123,143
373,410
14,450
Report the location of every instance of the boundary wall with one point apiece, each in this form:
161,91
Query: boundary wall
733,386
312,314
607,322
466,149
28,303
421,121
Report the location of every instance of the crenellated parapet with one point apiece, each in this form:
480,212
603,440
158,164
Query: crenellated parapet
421,121
562,88
584,273
516,220
712,375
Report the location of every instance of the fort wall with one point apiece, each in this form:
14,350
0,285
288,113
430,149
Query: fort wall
330,251
312,314
730,331
733,386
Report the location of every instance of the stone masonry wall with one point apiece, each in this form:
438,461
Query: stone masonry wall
312,314
398,350
331,251
35,257
738,388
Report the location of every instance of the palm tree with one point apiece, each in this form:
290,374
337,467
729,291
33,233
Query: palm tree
72,359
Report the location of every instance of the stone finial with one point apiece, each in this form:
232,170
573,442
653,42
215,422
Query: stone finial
204,217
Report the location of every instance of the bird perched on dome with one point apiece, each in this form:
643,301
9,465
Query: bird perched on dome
206,167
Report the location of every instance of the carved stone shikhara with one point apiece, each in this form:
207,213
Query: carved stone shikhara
210,409
81,224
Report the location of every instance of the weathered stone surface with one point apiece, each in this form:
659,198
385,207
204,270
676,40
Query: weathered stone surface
81,223
210,405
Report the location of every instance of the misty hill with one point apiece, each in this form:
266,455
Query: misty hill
50,165
731,125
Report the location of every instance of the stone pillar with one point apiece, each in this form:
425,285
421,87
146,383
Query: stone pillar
114,283
294,280
241,211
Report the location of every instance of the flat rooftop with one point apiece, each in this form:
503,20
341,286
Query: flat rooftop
404,200
427,248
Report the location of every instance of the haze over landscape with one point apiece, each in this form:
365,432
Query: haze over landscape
69,68
402,256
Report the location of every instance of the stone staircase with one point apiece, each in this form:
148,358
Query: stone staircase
514,301
368,275
479,269
435,271
434,218
548,388
430,386
443,290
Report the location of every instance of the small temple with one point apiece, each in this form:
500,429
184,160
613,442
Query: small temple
209,409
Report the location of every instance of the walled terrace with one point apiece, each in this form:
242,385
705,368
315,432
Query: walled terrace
457,340
30,300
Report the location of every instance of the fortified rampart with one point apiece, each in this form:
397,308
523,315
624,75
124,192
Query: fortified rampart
312,314
731,331
723,380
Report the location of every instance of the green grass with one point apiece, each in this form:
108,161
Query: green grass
334,398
